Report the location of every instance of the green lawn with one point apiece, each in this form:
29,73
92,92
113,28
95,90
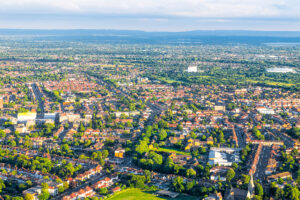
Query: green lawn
132,194
166,80
169,150
135,194
272,83
256,80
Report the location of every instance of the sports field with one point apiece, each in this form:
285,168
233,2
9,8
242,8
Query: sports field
134,194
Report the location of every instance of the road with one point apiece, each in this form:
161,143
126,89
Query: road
240,136
63,134
262,163
288,142
38,94
156,109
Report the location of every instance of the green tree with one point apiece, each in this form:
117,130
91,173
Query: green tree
190,185
279,194
44,195
29,196
157,158
178,184
245,179
162,134
193,135
142,147
94,156
81,127
66,185
221,137
259,189
191,173
103,191
230,175
148,176
105,153
2,134
2,185
291,192
61,189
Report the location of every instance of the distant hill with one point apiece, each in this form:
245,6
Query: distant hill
133,32
188,37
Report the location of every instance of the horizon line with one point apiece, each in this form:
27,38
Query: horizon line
140,30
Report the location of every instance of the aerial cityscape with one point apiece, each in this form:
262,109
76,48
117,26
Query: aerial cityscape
99,113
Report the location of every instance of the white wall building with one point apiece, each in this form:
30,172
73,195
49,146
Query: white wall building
50,116
264,110
23,117
281,70
192,69
224,156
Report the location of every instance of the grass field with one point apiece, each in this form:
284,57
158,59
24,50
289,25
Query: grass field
271,83
169,150
135,194
132,194
166,80
256,80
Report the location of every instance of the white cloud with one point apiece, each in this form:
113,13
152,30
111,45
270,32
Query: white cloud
180,8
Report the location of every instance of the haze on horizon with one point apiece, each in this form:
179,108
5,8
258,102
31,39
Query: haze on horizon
152,15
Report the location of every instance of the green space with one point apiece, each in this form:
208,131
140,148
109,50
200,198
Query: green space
170,150
134,194
273,83
165,79
226,76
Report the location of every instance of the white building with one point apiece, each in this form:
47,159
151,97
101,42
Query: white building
23,117
192,69
224,156
50,116
281,70
264,110
133,113
71,117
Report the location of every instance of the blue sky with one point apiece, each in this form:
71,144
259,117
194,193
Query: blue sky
152,15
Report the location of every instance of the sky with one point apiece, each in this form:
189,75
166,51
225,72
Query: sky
152,15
